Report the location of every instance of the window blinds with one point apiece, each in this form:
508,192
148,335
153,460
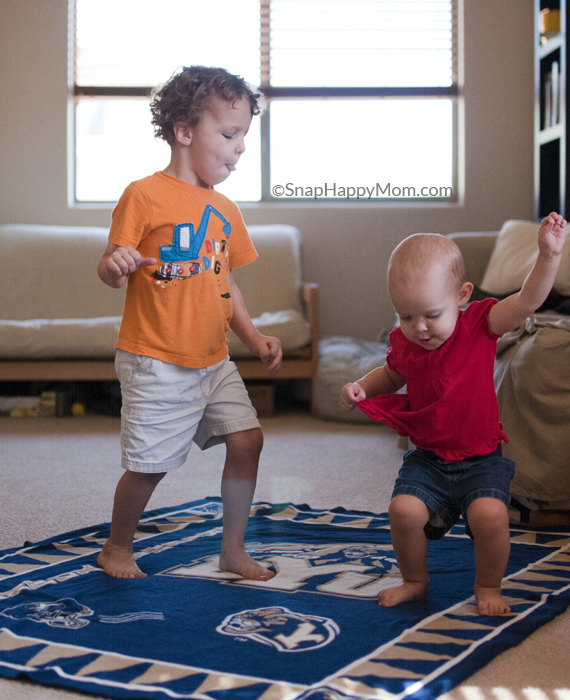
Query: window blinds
374,43
290,47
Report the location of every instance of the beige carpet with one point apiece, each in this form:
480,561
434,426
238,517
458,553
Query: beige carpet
60,474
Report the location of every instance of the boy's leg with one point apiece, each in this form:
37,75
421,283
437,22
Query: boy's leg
489,522
131,497
238,486
408,517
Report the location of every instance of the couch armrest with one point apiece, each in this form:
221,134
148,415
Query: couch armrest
476,248
310,297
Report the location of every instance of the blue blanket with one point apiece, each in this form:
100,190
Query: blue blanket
315,630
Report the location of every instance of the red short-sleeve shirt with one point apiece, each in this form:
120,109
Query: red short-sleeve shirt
451,407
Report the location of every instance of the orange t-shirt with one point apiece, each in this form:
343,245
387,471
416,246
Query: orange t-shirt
179,310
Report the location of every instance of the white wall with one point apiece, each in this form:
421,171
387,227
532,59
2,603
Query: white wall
345,247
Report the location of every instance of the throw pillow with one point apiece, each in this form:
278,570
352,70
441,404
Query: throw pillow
513,257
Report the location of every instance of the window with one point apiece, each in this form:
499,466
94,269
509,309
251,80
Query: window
361,94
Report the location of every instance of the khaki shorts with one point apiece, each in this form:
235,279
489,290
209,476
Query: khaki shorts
166,407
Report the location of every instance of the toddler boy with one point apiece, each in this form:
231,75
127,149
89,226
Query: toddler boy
175,240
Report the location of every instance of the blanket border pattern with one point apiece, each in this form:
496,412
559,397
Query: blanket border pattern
536,594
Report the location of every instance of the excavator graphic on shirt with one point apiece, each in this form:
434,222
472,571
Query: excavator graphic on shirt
181,260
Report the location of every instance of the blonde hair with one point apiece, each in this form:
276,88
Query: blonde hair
421,253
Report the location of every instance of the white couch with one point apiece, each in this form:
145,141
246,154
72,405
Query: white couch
58,321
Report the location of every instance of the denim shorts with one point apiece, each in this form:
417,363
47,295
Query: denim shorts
166,407
449,488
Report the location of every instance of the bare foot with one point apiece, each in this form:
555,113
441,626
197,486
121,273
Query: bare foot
118,562
241,563
490,601
403,593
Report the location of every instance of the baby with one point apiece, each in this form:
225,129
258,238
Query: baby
445,356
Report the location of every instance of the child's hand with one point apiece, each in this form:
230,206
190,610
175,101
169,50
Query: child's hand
118,262
125,260
269,350
350,395
552,234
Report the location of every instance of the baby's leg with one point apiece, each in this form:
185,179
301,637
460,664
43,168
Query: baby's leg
238,486
408,517
131,497
489,522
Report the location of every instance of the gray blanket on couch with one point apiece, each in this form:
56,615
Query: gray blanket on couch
532,379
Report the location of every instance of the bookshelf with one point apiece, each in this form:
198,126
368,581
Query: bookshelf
551,155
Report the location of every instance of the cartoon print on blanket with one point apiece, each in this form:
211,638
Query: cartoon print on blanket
69,614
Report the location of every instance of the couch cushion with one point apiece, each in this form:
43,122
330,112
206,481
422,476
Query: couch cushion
289,326
514,255
273,281
51,272
55,306
62,338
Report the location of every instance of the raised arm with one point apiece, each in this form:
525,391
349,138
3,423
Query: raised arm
118,263
513,310
268,348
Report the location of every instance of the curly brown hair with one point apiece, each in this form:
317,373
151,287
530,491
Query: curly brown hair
185,96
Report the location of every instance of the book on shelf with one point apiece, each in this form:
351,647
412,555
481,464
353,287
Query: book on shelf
555,99
547,116
551,113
